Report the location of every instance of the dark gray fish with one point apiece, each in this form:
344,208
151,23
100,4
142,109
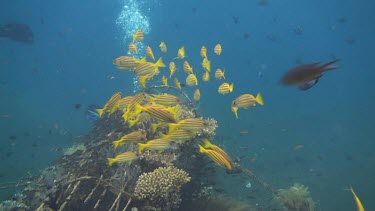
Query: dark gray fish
17,32
305,75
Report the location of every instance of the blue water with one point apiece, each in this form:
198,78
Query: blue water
75,42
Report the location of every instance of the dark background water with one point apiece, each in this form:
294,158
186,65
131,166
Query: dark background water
70,62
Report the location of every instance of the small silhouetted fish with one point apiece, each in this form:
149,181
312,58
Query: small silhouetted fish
77,106
17,32
342,20
183,85
306,75
246,35
13,138
235,19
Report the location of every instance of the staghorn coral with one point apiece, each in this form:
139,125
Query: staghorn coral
296,198
161,188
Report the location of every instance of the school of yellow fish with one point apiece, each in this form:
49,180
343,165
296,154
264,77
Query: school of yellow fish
166,108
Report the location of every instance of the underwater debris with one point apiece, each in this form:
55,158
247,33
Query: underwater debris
296,198
161,188
71,150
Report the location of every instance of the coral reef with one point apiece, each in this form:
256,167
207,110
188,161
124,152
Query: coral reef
296,198
161,188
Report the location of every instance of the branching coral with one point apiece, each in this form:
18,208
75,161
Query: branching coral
161,188
296,198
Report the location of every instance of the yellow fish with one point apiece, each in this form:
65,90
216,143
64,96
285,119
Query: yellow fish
164,80
158,112
110,105
189,124
206,76
216,157
166,100
218,49
219,74
135,136
149,53
138,36
245,101
178,136
156,144
191,80
188,69
209,145
206,64
127,62
123,103
181,53
163,47
357,201
137,99
146,68
197,95
204,52
172,69
225,88
132,48
127,157
177,83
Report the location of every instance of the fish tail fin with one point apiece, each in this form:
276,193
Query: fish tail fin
160,63
137,109
111,161
207,143
154,126
231,87
100,111
134,37
259,99
116,143
201,149
329,65
142,81
143,60
171,127
141,147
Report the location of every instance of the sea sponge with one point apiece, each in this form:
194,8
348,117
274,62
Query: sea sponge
161,188
296,198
